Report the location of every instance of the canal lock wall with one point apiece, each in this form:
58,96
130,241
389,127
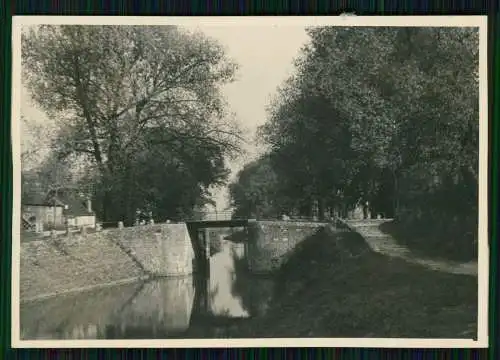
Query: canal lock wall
271,243
78,262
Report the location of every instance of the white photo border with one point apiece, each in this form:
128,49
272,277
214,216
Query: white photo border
364,21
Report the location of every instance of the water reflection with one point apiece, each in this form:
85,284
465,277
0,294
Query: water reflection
224,300
155,309
168,308
254,292
68,316
163,306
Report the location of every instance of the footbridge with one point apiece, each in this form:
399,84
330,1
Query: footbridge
268,242
199,230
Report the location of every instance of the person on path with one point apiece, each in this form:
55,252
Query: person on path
365,210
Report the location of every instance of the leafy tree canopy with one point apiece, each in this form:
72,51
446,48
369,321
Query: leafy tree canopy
388,115
136,101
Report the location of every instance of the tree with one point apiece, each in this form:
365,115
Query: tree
35,142
113,86
382,113
255,191
51,174
173,177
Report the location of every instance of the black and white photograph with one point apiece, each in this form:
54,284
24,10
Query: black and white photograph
250,181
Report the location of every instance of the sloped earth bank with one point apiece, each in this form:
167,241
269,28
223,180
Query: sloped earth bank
426,241
381,242
336,286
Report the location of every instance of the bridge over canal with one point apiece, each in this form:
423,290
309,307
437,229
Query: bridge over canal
199,230
268,243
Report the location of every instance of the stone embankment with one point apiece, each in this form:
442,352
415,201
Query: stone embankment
385,244
271,243
161,249
79,262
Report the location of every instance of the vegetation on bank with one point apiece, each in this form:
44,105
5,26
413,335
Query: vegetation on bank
431,241
335,286
384,115
141,120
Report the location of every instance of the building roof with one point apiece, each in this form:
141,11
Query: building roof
39,200
76,205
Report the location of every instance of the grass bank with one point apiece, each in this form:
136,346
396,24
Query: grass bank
426,241
334,286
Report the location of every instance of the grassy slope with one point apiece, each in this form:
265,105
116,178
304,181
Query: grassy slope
334,286
425,241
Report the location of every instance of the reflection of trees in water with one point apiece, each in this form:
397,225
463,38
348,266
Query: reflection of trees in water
216,237
203,296
255,292
75,315
212,293
237,235
161,309
200,325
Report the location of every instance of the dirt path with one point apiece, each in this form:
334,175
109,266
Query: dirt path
385,244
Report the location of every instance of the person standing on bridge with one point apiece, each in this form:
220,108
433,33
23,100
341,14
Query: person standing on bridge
366,205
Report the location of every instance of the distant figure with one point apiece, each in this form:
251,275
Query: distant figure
357,212
365,210
285,217
39,226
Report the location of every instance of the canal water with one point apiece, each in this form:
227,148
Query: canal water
212,306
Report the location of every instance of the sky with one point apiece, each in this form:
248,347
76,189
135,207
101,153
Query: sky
265,56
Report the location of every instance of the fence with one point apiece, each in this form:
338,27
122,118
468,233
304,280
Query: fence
228,215
214,216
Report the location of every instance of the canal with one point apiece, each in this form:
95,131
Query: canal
211,306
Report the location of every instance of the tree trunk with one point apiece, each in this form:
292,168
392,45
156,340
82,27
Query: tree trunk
129,210
395,205
105,206
321,208
82,97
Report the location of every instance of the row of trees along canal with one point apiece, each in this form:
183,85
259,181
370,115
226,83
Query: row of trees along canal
140,107
386,115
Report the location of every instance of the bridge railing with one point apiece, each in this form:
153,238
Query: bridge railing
215,216
228,215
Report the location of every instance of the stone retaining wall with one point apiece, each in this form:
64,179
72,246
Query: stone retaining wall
270,243
77,262
162,249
